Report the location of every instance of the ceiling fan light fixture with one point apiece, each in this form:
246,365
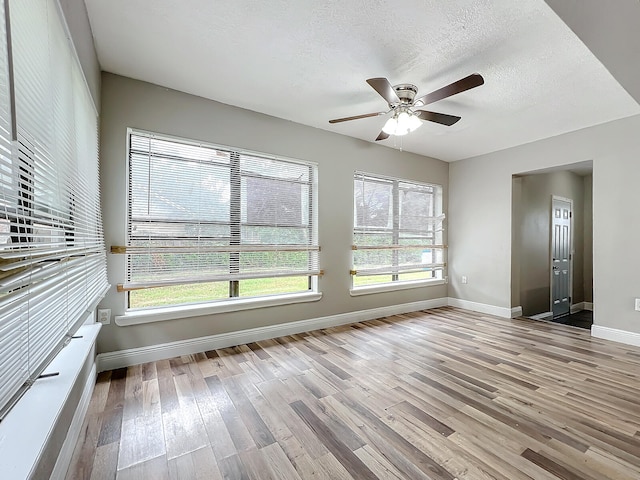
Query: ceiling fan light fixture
391,126
414,122
404,121
401,124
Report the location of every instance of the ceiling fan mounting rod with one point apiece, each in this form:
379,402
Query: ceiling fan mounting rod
406,92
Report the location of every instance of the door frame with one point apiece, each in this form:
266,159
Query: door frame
571,251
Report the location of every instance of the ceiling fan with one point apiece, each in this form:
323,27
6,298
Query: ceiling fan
409,111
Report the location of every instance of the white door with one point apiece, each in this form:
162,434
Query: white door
560,257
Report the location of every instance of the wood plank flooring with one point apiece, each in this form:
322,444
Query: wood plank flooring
441,394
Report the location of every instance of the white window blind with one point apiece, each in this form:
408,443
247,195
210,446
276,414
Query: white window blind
201,213
52,256
397,232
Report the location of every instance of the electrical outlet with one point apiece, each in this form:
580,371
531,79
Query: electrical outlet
104,316
638,304
464,279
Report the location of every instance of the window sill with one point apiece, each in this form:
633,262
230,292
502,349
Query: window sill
25,431
392,287
136,317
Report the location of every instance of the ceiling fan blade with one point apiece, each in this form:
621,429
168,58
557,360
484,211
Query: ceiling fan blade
385,89
356,117
382,136
441,118
467,83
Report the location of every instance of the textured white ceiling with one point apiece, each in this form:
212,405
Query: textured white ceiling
307,61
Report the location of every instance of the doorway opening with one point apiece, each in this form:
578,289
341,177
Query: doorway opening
552,257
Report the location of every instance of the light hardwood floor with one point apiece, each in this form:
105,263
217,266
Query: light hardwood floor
439,394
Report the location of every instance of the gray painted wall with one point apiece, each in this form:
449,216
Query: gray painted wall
610,31
516,240
131,103
75,12
480,195
531,225
588,239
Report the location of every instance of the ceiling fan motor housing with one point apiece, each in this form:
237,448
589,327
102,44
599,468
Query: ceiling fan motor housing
406,93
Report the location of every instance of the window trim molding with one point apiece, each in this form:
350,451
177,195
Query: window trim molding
392,287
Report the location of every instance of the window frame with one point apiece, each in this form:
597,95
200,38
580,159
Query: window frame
395,230
233,301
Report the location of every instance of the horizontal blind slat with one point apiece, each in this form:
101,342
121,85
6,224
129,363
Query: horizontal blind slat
216,278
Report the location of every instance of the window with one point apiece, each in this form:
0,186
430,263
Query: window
209,223
397,231
52,255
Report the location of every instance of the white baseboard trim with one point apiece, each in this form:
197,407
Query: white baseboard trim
516,312
621,336
577,307
66,452
152,353
505,312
